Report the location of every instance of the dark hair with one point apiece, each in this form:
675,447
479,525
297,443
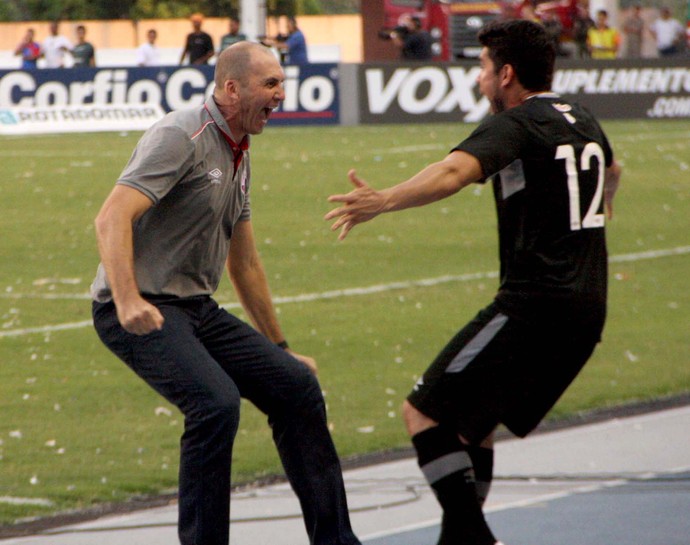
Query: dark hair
417,22
525,46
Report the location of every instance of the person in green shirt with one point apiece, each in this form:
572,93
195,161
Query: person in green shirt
233,36
83,53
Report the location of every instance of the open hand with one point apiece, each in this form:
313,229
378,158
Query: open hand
359,205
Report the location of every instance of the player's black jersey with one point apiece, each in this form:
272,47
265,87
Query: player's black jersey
547,159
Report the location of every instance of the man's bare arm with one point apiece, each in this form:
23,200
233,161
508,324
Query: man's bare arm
114,231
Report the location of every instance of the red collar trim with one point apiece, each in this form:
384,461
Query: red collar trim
237,149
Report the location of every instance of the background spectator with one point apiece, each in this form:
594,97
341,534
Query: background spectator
668,33
199,45
602,40
147,53
30,50
233,36
414,42
83,53
54,47
554,29
528,13
293,47
582,23
633,26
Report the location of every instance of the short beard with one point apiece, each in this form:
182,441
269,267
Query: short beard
497,105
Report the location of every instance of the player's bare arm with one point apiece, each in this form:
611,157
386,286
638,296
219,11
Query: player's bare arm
612,177
435,182
113,225
249,280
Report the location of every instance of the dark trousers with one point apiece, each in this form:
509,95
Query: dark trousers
203,361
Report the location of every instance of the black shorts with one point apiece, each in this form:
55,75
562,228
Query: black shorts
503,370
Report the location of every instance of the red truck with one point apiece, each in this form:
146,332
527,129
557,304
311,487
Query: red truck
454,23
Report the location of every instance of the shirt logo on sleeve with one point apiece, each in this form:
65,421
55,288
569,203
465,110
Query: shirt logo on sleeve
215,176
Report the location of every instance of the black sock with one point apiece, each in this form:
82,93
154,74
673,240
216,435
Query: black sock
447,466
483,462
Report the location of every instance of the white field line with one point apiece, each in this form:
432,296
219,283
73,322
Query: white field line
14,500
651,254
46,296
348,292
412,149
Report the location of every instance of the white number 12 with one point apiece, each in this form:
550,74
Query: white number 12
591,150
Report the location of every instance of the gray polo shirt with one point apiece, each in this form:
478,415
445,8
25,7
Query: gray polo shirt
185,165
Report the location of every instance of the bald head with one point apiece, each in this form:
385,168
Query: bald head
236,61
249,86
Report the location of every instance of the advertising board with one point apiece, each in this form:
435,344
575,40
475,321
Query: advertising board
619,89
122,99
112,99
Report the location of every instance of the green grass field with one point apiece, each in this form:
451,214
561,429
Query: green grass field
79,428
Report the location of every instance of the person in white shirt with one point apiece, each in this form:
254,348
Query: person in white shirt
147,53
54,48
668,33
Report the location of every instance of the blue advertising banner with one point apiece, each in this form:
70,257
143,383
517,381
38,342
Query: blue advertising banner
87,99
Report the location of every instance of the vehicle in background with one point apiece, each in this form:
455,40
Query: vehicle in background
454,23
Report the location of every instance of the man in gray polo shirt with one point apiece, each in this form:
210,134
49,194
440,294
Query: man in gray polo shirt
177,216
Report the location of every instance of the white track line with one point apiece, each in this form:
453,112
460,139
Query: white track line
536,500
366,290
527,502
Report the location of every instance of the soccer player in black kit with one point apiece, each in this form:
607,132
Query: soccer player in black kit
554,178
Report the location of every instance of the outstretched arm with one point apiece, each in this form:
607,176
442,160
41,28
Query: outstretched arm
435,182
